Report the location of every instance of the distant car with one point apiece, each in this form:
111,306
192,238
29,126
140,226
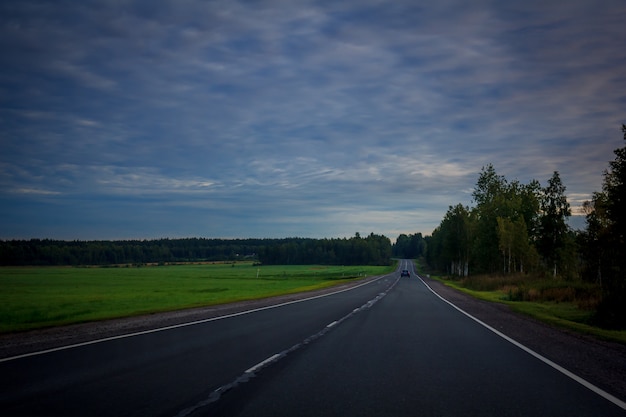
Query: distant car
405,273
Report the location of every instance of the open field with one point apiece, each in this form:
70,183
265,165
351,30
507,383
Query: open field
35,297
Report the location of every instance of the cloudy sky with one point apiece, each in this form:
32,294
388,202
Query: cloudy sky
146,119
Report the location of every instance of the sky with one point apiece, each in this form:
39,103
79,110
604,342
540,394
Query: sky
266,119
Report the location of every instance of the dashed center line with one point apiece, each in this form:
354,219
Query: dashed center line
263,363
251,372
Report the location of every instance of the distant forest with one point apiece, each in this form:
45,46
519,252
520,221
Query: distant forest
371,250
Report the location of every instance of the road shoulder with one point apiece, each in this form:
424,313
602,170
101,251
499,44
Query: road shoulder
600,362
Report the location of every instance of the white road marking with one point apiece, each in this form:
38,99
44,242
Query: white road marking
263,363
176,326
543,359
216,394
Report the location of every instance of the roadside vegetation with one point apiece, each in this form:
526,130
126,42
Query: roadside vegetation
515,246
569,305
564,305
36,297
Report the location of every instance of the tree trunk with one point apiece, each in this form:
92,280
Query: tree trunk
509,260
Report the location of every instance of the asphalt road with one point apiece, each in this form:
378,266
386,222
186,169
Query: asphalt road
165,372
387,348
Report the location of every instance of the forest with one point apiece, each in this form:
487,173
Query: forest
516,228
371,250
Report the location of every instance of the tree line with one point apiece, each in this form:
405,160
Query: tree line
371,250
523,229
512,228
410,246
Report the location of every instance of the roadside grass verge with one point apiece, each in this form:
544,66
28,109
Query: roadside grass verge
569,305
37,297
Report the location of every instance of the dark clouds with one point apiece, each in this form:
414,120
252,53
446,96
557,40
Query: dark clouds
278,118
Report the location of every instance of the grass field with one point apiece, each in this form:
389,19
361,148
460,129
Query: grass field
36,297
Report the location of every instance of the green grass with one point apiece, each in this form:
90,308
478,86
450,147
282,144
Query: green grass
36,297
566,314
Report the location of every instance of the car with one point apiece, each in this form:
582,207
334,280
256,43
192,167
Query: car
405,273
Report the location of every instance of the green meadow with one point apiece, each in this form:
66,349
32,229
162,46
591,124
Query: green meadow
36,297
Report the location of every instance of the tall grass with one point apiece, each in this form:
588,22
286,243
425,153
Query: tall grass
566,304
520,287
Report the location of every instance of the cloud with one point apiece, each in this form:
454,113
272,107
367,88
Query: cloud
280,115
33,191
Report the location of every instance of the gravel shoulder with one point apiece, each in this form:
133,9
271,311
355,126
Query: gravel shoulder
600,362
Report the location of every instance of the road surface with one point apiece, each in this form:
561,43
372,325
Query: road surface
389,347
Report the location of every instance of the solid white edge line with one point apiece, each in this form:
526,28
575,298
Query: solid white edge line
176,326
545,360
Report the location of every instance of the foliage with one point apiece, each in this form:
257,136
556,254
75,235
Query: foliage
409,246
500,234
565,304
490,195
449,245
521,230
553,237
605,241
372,250
514,244
59,252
